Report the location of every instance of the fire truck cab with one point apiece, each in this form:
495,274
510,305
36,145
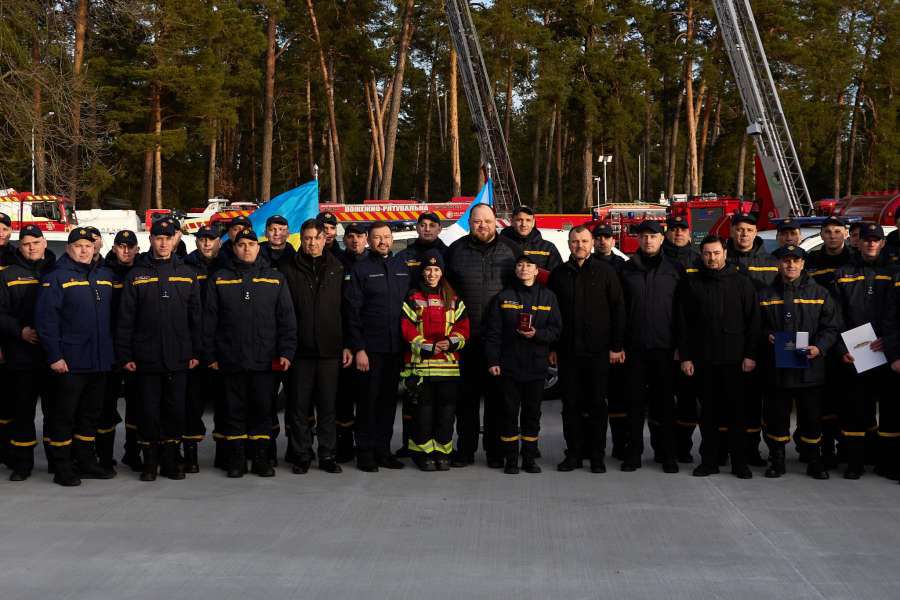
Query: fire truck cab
49,212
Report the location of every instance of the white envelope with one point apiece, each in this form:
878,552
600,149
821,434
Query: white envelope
858,341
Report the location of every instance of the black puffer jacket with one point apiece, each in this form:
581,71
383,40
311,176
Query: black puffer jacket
649,285
412,257
534,245
719,316
892,247
315,288
613,260
822,266
19,285
121,272
863,290
159,316
248,320
685,256
802,305
757,264
275,258
892,325
7,255
519,357
478,272
203,268
592,308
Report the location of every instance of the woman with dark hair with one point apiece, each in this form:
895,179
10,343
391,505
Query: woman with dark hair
435,326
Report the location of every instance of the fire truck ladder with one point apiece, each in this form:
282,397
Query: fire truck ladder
768,124
485,118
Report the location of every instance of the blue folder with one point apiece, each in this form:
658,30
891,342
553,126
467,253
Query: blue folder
787,356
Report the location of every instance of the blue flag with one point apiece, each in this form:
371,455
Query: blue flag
296,205
461,227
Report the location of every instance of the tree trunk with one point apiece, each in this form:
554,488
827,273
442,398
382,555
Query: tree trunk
551,139
626,172
265,192
587,161
375,127
536,167
310,138
704,136
837,149
453,123
81,17
146,182
157,152
332,159
559,164
645,173
390,142
40,161
854,127
742,162
252,161
328,78
689,105
673,149
432,90
211,176
509,97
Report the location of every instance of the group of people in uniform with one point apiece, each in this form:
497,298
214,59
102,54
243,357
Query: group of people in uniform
673,338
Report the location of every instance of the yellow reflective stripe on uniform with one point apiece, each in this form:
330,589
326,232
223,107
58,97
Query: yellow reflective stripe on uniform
344,423
443,448
770,302
851,279
510,438
888,434
537,252
45,285
883,277
762,268
130,426
807,440
22,282
85,438
229,438
427,447
58,444
691,270
69,284
181,279
104,282
23,444
202,277
192,438
460,309
512,305
823,272
228,281
540,307
118,286
105,431
410,313
5,421
853,433
266,280
753,429
804,301
779,438
144,280
897,284
259,437
529,438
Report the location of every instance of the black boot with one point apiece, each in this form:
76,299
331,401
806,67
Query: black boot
329,465
169,465
754,457
105,447
271,453
424,462
262,465
887,458
529,465
132,456
511,465
816,467
829,458
64,470
855,449
344,446
191,464
51,457
365,461
385,460
776,462
87,465
234,459
151,461
570,463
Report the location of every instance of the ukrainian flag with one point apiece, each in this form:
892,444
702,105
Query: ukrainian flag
296,205
461,227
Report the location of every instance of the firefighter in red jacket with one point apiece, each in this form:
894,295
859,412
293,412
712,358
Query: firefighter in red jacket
435,326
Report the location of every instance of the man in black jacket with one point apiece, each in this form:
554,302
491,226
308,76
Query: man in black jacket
479,265
159,337
796,303
593,317
119,260
746,252
7,250
717,339
355,241
248,329
678,247
329,222
863,289
26,368
649,281
314,279
276,247
821,265
524,233
373,295
203,383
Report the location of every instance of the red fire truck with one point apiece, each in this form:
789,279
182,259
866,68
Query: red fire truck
878,207
703,212
48,211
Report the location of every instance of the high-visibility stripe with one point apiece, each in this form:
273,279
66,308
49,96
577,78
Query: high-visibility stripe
130,426
202,277
266,280
145,280
853,433
104,282
427,447
411,314
344,423
804,301
118,286
5,421
762,268
443,448
542,307
58,444
770,302
192,438
536,252
228,281
510,438
181,279
807,440
779,438
883,277
259,437
22,282
229,438
822,272
511,305
691,270
888,434
69,284
85,438
105,431
23,444
851,279
753,430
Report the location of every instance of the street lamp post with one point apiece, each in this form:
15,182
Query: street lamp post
605,159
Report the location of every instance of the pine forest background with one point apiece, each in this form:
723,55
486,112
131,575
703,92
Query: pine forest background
170,102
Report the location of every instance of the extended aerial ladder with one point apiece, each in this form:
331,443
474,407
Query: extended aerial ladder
768,125
485,118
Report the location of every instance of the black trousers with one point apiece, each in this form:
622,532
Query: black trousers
837,374
868,393
312,386
202,383
520,419
247,406
617,408
377,403
809,415
119,384
433,406
687,410
648,385
721,406
20,408
754,384
477,382
348,388
584,409
76,406
161,417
